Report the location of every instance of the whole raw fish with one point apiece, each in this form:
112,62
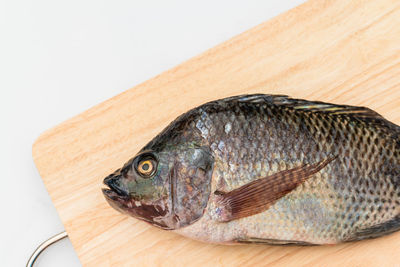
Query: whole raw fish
267,169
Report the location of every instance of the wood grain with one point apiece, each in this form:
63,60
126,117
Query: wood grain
344,52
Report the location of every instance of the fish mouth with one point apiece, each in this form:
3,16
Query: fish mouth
116,201
115,194
111,194
114,186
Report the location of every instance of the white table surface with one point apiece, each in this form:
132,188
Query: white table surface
59,58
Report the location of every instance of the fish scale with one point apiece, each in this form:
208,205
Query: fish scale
280,147
268,169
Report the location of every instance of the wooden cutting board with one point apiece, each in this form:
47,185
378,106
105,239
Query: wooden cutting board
345,52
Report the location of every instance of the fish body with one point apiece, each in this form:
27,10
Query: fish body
267,169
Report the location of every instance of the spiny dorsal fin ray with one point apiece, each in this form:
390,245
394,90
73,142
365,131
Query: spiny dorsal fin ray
354,112
312,106
257,196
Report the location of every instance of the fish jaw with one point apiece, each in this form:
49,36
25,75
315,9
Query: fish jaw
118,197
117,201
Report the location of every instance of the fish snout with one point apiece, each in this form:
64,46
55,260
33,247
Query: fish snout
114,183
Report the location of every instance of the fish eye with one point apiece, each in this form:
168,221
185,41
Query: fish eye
146,166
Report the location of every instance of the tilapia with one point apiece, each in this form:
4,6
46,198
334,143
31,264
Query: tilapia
267,169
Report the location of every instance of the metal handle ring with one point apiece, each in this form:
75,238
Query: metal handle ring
43,246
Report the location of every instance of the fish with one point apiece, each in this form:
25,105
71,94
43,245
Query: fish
266,169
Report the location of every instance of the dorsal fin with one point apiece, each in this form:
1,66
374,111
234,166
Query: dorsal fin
312,106
361,113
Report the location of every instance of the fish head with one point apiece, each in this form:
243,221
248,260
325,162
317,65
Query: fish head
168,187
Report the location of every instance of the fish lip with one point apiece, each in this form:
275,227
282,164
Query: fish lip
113,196
113,187
110,194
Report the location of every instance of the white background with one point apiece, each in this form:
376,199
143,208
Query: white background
59,58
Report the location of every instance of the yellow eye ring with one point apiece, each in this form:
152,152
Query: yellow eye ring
146,167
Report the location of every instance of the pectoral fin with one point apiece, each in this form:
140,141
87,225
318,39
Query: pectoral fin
259,195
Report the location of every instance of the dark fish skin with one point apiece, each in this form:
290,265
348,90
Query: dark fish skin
268,169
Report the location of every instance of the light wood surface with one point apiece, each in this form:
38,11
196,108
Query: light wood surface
345,52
